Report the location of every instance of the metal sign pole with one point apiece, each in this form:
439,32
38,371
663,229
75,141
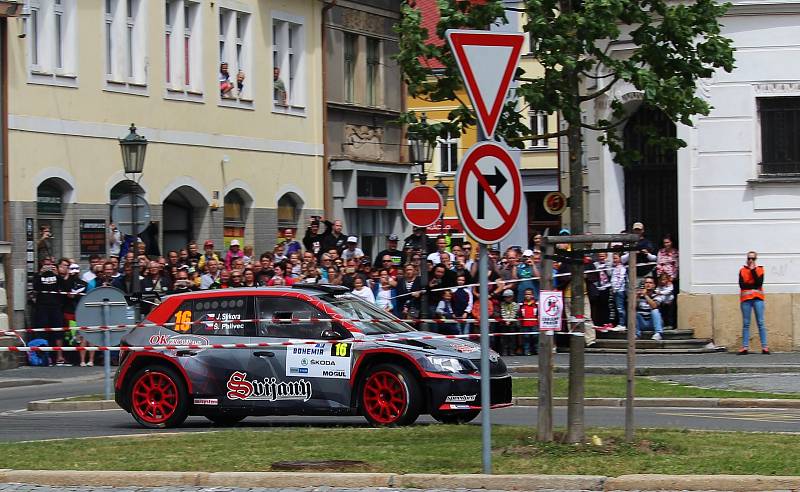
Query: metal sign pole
486,429
107,355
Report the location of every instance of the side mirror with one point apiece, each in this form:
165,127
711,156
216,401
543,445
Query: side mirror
329,335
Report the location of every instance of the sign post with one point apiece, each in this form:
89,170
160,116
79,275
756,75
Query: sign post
488,184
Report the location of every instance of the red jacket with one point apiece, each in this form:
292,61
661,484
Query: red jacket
751,283
527,311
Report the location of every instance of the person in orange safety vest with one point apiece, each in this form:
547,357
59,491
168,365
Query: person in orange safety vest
751,298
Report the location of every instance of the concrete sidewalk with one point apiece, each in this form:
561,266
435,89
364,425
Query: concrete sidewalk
648,482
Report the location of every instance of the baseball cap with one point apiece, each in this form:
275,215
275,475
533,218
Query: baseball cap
209,242
527,252
74,268
235,242
638,225
508,292
352,239
393,237
563,232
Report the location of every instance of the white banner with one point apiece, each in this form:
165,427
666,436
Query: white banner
551,308
321,360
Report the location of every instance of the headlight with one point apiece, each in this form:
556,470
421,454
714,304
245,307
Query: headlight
445,364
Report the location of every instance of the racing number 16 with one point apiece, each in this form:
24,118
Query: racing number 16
340,350
183,320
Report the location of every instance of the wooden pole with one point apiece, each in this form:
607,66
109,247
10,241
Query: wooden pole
544,431
632,301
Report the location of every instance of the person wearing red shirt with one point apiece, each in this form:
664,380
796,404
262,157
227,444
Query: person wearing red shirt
529,321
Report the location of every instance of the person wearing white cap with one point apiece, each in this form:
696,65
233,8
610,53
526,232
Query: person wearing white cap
352,251
233,253
526,271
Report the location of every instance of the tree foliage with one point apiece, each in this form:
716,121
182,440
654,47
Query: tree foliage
668,45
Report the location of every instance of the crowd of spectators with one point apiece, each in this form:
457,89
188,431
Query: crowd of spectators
392,279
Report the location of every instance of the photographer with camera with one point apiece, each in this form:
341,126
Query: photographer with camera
48,288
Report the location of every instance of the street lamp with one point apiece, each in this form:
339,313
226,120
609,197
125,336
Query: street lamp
134,148
421,152
444,191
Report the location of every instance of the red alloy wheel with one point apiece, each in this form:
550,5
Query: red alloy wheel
385,397
154,397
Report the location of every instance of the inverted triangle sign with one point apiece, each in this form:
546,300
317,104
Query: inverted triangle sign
487,61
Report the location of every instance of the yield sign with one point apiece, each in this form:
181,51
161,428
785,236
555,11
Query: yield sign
487,61
488,192
422,205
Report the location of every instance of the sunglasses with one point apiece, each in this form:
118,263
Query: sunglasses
752,258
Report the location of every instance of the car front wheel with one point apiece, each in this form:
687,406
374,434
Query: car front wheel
158,397
390,396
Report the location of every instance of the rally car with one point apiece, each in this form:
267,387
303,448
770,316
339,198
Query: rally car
365,362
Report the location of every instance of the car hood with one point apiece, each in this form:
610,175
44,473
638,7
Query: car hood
421,340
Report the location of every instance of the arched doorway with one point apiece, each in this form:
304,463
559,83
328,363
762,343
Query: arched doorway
236,210
50,210
651,184
182,213
289,208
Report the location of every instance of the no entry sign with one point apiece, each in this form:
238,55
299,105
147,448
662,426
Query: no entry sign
422,206
488,192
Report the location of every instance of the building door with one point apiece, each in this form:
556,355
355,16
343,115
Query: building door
651,184
178,223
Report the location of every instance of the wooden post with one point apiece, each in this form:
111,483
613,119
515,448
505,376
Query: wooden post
544,431
632,301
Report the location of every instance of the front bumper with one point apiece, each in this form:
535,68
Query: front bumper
464,392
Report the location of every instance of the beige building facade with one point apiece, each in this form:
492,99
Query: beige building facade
229,156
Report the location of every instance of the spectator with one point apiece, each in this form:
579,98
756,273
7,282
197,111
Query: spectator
114,239
182,282
90,274
361,291
751,298
418,240
155,280
44,247
334,238
266,272
598,285
384,298
76,288
313,238
194,254
460,267
48,311
290,243
352,251
528,273
248,255
645,249
224,279
508,310
211,279
529,322
278,253
667,259
441,250
462,303
619,286
225,85
444,311
250,279
125,282
240,83
408,293
350,273
237,279
279,277
665,294
233,253
440,279
394,254
278,87
647,314
208,254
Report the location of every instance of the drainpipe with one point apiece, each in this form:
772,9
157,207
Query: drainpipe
327,201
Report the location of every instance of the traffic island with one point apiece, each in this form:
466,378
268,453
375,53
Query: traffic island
70,405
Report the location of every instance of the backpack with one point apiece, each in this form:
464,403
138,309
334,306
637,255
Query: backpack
38,358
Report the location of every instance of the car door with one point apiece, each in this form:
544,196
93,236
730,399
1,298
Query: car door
304,376
215,373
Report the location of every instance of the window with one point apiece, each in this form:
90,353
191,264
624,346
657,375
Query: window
288,86
282,311
371,186
51,32
289,207
235,57
220,316
373,72
126,47
182,48
50,210
448,153
780,123
350,54
539,127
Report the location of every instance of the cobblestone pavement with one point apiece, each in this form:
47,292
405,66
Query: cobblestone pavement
16,487
772,383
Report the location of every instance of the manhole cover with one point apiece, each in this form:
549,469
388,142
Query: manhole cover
317,464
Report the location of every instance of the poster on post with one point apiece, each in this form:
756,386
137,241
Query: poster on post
551,308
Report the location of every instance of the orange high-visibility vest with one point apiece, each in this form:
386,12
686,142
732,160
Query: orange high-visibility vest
751,284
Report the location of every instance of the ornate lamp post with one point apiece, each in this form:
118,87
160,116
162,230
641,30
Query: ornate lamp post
134,147
421,152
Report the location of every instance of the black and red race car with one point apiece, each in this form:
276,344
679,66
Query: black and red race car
366,362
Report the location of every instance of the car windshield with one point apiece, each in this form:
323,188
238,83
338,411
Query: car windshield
375,321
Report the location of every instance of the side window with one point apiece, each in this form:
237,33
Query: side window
220,316
279,319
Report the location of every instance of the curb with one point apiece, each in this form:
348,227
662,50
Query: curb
664,370
645,482
524,401
16,383
58,405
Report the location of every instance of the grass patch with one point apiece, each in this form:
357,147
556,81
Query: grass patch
614,387
420,449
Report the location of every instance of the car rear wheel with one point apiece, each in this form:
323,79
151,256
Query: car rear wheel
158,397
390,395
455,417
226,420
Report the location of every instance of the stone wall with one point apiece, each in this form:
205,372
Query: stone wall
718,316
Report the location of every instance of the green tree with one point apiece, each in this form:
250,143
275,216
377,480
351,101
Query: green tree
669,45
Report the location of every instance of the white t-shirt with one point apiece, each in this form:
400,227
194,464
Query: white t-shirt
365,293
436,257
384,300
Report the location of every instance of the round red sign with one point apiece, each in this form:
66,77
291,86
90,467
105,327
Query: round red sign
422,205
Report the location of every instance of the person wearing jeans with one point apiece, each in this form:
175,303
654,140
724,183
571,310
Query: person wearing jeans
751,298
619,285
647,314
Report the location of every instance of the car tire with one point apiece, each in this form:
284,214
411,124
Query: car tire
390,396
226,420
455,417
158,397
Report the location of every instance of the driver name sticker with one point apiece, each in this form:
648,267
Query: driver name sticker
321,360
